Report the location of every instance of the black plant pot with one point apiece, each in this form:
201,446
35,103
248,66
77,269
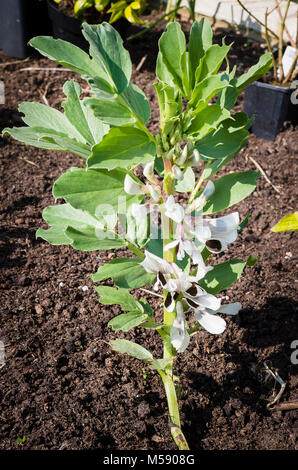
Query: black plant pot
20,20
272,106
68,27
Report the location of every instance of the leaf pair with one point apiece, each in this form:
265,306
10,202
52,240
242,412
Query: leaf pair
76,130
94,200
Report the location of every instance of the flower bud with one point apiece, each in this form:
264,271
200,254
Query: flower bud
182,157
170,154
178,174
154,192
195,158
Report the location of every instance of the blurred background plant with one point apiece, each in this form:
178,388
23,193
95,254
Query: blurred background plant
284,64
289,223
176,5
130,10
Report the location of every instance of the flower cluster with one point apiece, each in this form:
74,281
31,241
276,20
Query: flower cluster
179,286
193,232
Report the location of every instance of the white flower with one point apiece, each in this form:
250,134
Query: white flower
131,186
174,210
197,297
155,264
185,232
139,211
179,335
217,233
187,286
189,247
148,170
172,279
213,323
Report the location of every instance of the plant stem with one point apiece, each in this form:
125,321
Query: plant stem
293,44
199,184
175,424
168,352
136,250
257,19
280,42
269,47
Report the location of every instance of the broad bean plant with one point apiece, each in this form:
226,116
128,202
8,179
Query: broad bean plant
155,195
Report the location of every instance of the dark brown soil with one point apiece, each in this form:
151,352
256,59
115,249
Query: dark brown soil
62,387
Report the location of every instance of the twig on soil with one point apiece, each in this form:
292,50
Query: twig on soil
282,384
140,64
28,161
151,293
44,94
287,406
51,69
264,174
6,64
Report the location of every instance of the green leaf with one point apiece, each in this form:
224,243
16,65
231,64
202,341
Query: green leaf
151,325
124,147
255,72
169,103
187,183
207,120
289,223
68,55
40,115
155,244
111,112
54,236
137,102
212,60
64,215
128,347
106,47
224,141
93,190
222,276
228,96
162,72
231,189
112,296
127,273
127,321
200,39
77,228
92,239
205,90
88,126
147,307
159,363
48,139
172,46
